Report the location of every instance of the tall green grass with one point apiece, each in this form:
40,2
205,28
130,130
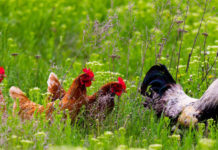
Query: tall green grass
113,38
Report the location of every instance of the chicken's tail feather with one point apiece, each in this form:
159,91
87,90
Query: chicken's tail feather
54,87
16,93
158,79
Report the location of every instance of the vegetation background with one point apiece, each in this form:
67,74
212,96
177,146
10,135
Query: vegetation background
113,38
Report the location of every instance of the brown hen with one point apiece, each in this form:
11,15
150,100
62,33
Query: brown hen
101,103
72,100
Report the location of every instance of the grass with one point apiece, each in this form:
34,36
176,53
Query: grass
113,38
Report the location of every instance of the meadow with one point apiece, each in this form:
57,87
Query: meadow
113,38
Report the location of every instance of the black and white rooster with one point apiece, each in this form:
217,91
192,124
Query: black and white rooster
165,96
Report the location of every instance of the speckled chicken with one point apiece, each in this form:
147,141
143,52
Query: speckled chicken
165,96
101,103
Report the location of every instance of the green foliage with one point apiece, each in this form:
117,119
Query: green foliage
113,38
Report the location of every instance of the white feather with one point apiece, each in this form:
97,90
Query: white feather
177,100
210,97
14,91
50,81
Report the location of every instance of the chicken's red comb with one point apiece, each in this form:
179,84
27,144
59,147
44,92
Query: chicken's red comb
2,70
120,80
88,72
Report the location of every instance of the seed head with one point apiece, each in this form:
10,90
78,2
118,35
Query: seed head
179,21
14,54
37,56
205,34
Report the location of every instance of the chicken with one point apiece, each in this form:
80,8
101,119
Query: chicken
206,107
2,101
76,96
101,103
165,96
27,107
72,100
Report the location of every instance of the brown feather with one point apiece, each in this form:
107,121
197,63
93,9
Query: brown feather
101,103
72,100
55,88
27,108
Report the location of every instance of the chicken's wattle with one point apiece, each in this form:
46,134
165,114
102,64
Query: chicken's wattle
88,83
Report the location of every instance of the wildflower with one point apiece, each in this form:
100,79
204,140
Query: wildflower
108,133
182,66
149,5
109,73
196,24
84,13
137,33
136,148
94,140
66,148
99,144
155,147
187,27
206,144
212,47
39,134
26,142
175,137
133,86
210,76
18,147
101,138
13,137
163,58
195,31
138,43
10,40
46,94
194,61
63,26
121,147
94,63
195,14
36,89
189,48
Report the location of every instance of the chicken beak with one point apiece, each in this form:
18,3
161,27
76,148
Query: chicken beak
93,79
125,91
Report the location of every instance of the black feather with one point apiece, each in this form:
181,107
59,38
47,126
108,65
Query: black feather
158,79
